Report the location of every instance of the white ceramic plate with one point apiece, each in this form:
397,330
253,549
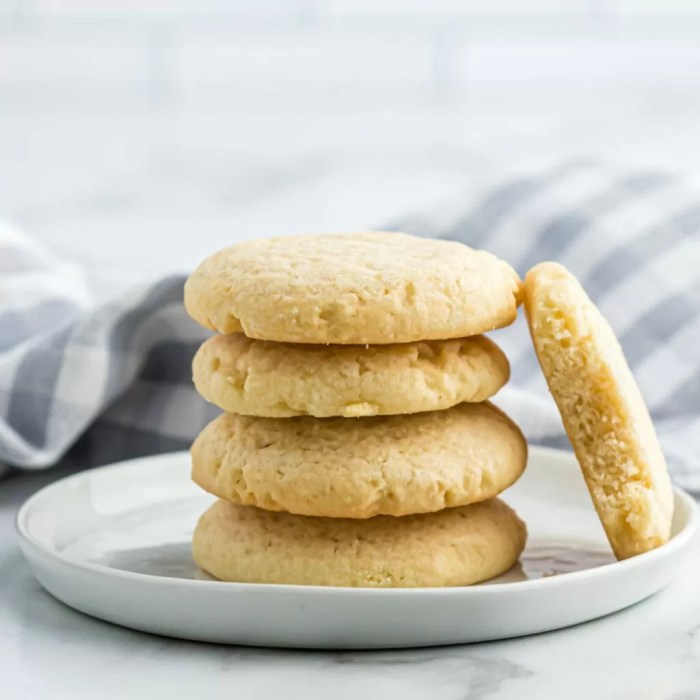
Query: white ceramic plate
114,543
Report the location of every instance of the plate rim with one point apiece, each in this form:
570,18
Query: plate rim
677,542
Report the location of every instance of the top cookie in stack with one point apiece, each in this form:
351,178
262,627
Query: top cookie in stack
319,330
355,288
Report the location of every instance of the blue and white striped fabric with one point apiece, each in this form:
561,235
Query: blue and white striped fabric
86,386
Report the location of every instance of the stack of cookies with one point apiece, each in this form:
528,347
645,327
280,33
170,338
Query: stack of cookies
357,447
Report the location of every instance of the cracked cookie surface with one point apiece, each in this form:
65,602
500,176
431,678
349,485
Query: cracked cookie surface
353,288
455,547
260,378
362,467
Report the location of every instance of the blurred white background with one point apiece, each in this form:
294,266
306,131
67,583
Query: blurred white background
136,137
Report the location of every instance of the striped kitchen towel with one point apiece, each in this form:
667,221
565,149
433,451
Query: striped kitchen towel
85,386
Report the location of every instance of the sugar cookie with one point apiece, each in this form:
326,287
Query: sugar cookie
358,468
455,547
603,411
353,288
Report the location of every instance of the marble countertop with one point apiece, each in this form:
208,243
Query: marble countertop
47,650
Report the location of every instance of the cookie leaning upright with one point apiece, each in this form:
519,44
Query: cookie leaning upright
360,288
603,411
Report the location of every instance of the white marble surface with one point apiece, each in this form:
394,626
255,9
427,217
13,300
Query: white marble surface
49,651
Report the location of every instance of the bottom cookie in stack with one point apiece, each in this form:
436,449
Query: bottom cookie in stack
453,547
